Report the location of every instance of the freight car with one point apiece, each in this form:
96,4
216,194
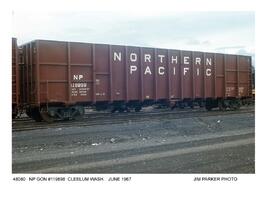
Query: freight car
15,78
61,78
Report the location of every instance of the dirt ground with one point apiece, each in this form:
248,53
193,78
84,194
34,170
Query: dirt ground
214,144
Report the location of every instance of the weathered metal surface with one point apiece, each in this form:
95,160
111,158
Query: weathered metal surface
70,72
15,77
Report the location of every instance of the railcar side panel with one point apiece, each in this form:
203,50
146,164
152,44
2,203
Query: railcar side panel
174,74
231,76
135,80
102,71
53,72
148,73
220,76
209,75
198,74
29,84
162,74
244,76
80,72
118,73
186,68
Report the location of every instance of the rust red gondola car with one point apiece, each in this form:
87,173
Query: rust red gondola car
60,78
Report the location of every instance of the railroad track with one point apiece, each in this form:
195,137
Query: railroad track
116,118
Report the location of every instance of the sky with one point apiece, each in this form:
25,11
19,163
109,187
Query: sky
223,32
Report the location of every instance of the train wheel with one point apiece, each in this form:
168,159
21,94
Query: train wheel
35,114
45,116
78,117
235,105
77,114
14,112
181,105
221,105
138,109
28,112
201,104
208,108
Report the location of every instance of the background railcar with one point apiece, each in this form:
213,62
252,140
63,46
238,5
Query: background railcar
15,78
60,78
